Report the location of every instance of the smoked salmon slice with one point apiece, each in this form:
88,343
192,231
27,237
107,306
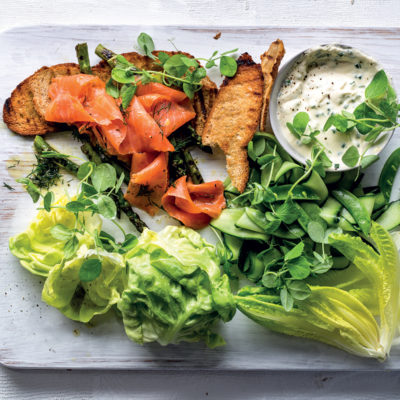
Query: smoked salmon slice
194,205
168,115
81,98
148,135
158,88
148,181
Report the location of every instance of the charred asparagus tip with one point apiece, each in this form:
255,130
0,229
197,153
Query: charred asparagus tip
82,54
105,54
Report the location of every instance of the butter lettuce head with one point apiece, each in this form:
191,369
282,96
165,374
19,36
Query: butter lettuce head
175,290
81,301
37,250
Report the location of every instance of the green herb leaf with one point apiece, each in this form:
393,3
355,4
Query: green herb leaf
340,122
146,44
123,75
103,177
85,170
127,93
189,90
112,89
48,200
270,280
106,207
286,299
295,252
316,231
298,289
363,111
210,64
351,156
300,121
163,57
90,270
378,85
189,62
75,206
175,66
88,190
299,268
199,74
288,212
71,247
228,66
61,232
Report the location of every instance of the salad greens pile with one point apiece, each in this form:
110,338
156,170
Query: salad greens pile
316,246
175,291
375,115
168,286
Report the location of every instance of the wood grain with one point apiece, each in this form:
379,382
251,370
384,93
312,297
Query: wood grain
36,336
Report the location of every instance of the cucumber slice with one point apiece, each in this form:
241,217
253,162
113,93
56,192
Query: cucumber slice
390,219
332,177
380,201
345,225
316,183
330,211
234,245
226,224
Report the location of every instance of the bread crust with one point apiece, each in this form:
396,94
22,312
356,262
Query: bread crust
234,118
20,115
270,62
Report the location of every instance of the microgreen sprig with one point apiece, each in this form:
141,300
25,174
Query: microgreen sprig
177,70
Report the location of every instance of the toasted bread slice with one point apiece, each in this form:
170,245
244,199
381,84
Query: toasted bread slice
270,62
20,115
202,103
235,116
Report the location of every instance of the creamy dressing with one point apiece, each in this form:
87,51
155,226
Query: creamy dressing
326,80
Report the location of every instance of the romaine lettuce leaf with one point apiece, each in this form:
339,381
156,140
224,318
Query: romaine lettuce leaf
79,300
175,291
329,315
37,250
356,309
381,267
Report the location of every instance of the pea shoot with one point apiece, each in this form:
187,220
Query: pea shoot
176,70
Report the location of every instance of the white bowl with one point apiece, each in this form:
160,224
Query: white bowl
275,123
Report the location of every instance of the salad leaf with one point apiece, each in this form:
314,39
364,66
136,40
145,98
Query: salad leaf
175,291
81,300
41,246
356,309
382,269
330,315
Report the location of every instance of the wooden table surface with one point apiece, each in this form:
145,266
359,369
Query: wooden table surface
25,384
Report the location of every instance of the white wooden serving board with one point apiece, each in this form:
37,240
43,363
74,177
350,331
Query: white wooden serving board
33,335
